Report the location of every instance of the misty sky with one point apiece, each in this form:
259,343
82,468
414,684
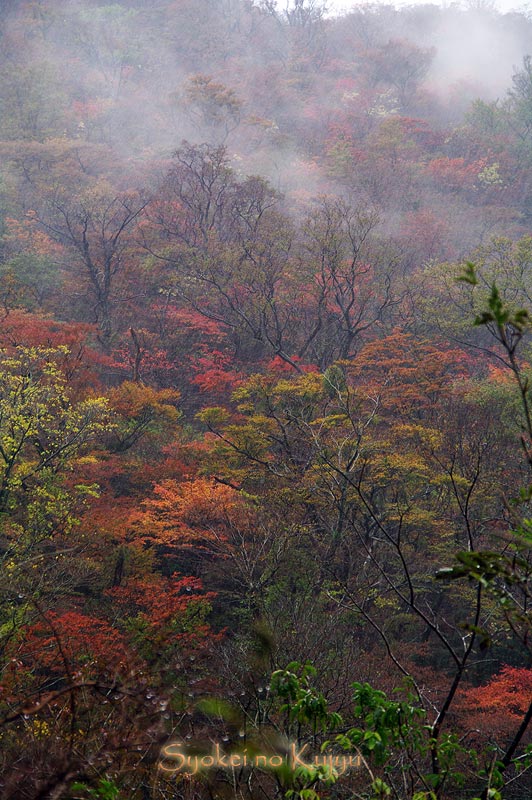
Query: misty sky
337,6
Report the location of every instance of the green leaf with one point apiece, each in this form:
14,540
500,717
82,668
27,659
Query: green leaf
469,274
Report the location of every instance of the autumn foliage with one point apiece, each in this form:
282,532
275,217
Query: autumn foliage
265,404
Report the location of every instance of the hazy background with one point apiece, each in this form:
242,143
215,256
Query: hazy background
339,7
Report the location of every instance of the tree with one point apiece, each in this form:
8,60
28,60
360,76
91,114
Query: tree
519,102
213,106
32,102
96,226
140,410
401,65
350,279
226,246
505,577
29,271
41,432
375,466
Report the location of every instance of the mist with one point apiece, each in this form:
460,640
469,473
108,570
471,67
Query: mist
313,102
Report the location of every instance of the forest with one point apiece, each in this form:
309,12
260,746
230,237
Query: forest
265,401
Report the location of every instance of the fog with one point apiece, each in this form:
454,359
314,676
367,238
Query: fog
304,98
